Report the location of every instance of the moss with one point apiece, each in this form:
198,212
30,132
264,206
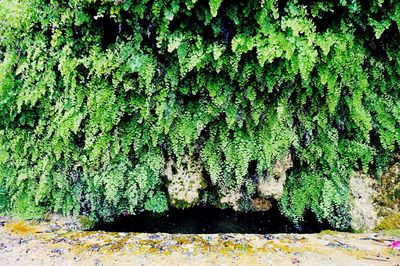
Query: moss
328,232
388,197
85,222
389,223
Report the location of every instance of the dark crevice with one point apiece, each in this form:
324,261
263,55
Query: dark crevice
110,30
210,220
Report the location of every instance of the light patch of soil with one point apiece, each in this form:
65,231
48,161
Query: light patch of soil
53,243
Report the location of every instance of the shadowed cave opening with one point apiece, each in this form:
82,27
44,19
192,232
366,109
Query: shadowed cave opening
210,220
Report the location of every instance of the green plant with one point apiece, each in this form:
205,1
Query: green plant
94,94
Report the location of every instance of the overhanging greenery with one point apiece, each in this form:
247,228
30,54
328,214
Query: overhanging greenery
94,95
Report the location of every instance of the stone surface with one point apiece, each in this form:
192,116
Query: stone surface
231,198
185,181
388,188
272,185
79,222
363,211
261,204
32,243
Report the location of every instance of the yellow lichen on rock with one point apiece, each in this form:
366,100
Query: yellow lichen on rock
20,227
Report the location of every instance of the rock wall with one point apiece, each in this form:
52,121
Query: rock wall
388,198
374,199
363,210
185,181
272,185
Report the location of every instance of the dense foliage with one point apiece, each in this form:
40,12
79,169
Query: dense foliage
96,94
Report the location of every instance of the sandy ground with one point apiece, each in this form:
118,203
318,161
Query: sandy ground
54,243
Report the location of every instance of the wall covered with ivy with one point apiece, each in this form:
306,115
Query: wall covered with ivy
96,95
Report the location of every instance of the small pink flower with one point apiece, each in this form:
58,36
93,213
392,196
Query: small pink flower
395,245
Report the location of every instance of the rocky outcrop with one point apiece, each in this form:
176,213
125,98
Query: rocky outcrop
388,197
261,204
364,214
185,181
272,185
375,201
231,198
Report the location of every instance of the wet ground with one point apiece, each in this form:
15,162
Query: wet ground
56,242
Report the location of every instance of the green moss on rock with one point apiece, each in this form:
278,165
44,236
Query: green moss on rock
85,222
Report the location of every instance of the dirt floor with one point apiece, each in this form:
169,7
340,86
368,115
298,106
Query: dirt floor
55,243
